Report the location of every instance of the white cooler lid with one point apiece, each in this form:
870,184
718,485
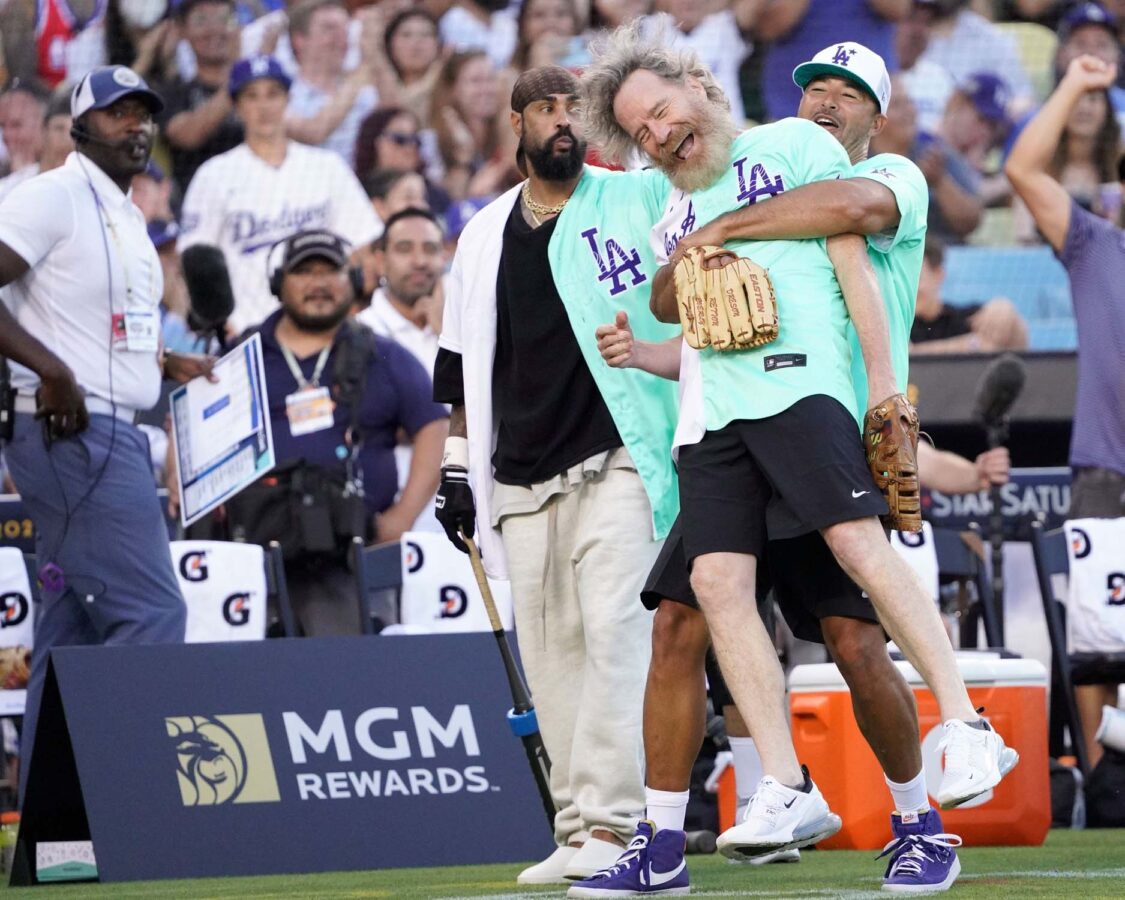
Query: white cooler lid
977,668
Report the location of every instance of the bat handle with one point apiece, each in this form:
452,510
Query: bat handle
482,584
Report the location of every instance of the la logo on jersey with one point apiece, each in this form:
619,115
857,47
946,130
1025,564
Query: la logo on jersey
755,182
843,55
616,262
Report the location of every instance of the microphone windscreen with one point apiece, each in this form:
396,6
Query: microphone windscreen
208,286
999,387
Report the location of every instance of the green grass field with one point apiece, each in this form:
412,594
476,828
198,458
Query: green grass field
1088,864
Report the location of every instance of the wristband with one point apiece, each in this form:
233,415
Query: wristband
456,453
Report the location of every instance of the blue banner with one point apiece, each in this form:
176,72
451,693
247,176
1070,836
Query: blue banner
295,756
1028,493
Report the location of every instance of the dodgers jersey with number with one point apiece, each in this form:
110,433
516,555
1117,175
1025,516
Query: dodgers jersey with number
811,354
896,256
242,204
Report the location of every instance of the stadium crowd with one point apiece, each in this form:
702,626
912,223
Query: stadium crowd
377,130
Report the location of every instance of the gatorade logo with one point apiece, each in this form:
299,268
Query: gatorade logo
236,609
193,566
413,557
1115,584
454,601
1080,543
13,609
222,759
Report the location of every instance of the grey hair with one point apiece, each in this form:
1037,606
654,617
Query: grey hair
618,55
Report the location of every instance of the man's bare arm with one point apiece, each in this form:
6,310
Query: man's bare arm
821,209
860,287
457,424
662,300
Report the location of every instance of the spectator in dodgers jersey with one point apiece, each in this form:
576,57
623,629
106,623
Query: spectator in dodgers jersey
266,189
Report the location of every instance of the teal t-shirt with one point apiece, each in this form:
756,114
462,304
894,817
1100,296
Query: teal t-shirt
896,256
811,354
601,262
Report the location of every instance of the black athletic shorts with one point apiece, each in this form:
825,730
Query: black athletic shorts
807,583
807,462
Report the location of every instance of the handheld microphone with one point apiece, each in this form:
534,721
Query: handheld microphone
209,289
998,389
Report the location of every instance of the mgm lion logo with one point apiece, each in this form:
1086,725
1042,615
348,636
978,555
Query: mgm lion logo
222,759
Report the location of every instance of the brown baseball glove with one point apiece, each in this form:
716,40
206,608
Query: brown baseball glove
730,307
890,437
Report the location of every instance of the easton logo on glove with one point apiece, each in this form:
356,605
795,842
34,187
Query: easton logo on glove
728,307
890,439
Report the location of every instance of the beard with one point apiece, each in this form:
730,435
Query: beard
552,166
316,323
410,295
713,136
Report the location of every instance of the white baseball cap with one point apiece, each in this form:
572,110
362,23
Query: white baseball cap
852,61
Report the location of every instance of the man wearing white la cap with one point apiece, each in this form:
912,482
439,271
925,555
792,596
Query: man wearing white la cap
84,327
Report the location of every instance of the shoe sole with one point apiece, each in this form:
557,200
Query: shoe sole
741,850
1008,760
595,893
954,871
558,879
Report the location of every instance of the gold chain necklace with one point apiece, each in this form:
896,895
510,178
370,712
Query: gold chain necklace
538,209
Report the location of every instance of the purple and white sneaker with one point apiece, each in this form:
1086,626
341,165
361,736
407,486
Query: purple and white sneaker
652,864
923,857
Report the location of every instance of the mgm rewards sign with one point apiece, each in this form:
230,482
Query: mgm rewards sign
280,756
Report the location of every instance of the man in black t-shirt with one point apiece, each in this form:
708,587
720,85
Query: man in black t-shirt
557,481
990,327
198,119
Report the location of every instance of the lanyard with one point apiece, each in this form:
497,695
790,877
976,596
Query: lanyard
318,370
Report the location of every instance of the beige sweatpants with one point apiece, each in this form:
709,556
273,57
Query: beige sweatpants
577,566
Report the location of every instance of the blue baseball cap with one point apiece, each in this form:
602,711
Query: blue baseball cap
105,85
1087,14
162,232
253,68
989,95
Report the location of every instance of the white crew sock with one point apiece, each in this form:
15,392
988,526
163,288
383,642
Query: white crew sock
910,796
666,809
747,772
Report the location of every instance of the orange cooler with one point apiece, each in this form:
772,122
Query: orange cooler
1014,695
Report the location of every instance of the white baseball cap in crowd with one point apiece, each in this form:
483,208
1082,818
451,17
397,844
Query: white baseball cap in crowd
853,61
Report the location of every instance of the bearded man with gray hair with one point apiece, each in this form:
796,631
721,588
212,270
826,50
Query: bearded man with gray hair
773,427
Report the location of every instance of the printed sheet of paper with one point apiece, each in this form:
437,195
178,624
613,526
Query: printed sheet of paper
222,431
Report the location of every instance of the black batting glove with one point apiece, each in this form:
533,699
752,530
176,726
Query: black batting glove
454,506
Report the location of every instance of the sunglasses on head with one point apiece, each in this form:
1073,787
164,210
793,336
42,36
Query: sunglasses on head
402,139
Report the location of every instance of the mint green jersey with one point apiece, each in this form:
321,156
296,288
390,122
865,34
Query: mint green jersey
601,263
812,354
896,256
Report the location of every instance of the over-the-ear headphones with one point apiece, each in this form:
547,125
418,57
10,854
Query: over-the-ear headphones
280,250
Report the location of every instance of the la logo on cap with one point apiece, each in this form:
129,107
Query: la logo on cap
843,55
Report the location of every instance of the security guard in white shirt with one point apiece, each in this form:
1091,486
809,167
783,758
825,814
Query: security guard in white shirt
84,287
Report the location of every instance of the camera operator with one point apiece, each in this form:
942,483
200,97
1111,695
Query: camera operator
338,395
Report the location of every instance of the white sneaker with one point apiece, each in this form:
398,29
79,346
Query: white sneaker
550,871
975,761
779,818
593,856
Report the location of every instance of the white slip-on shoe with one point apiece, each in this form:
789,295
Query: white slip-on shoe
779,818
593,856
975,761
550,871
